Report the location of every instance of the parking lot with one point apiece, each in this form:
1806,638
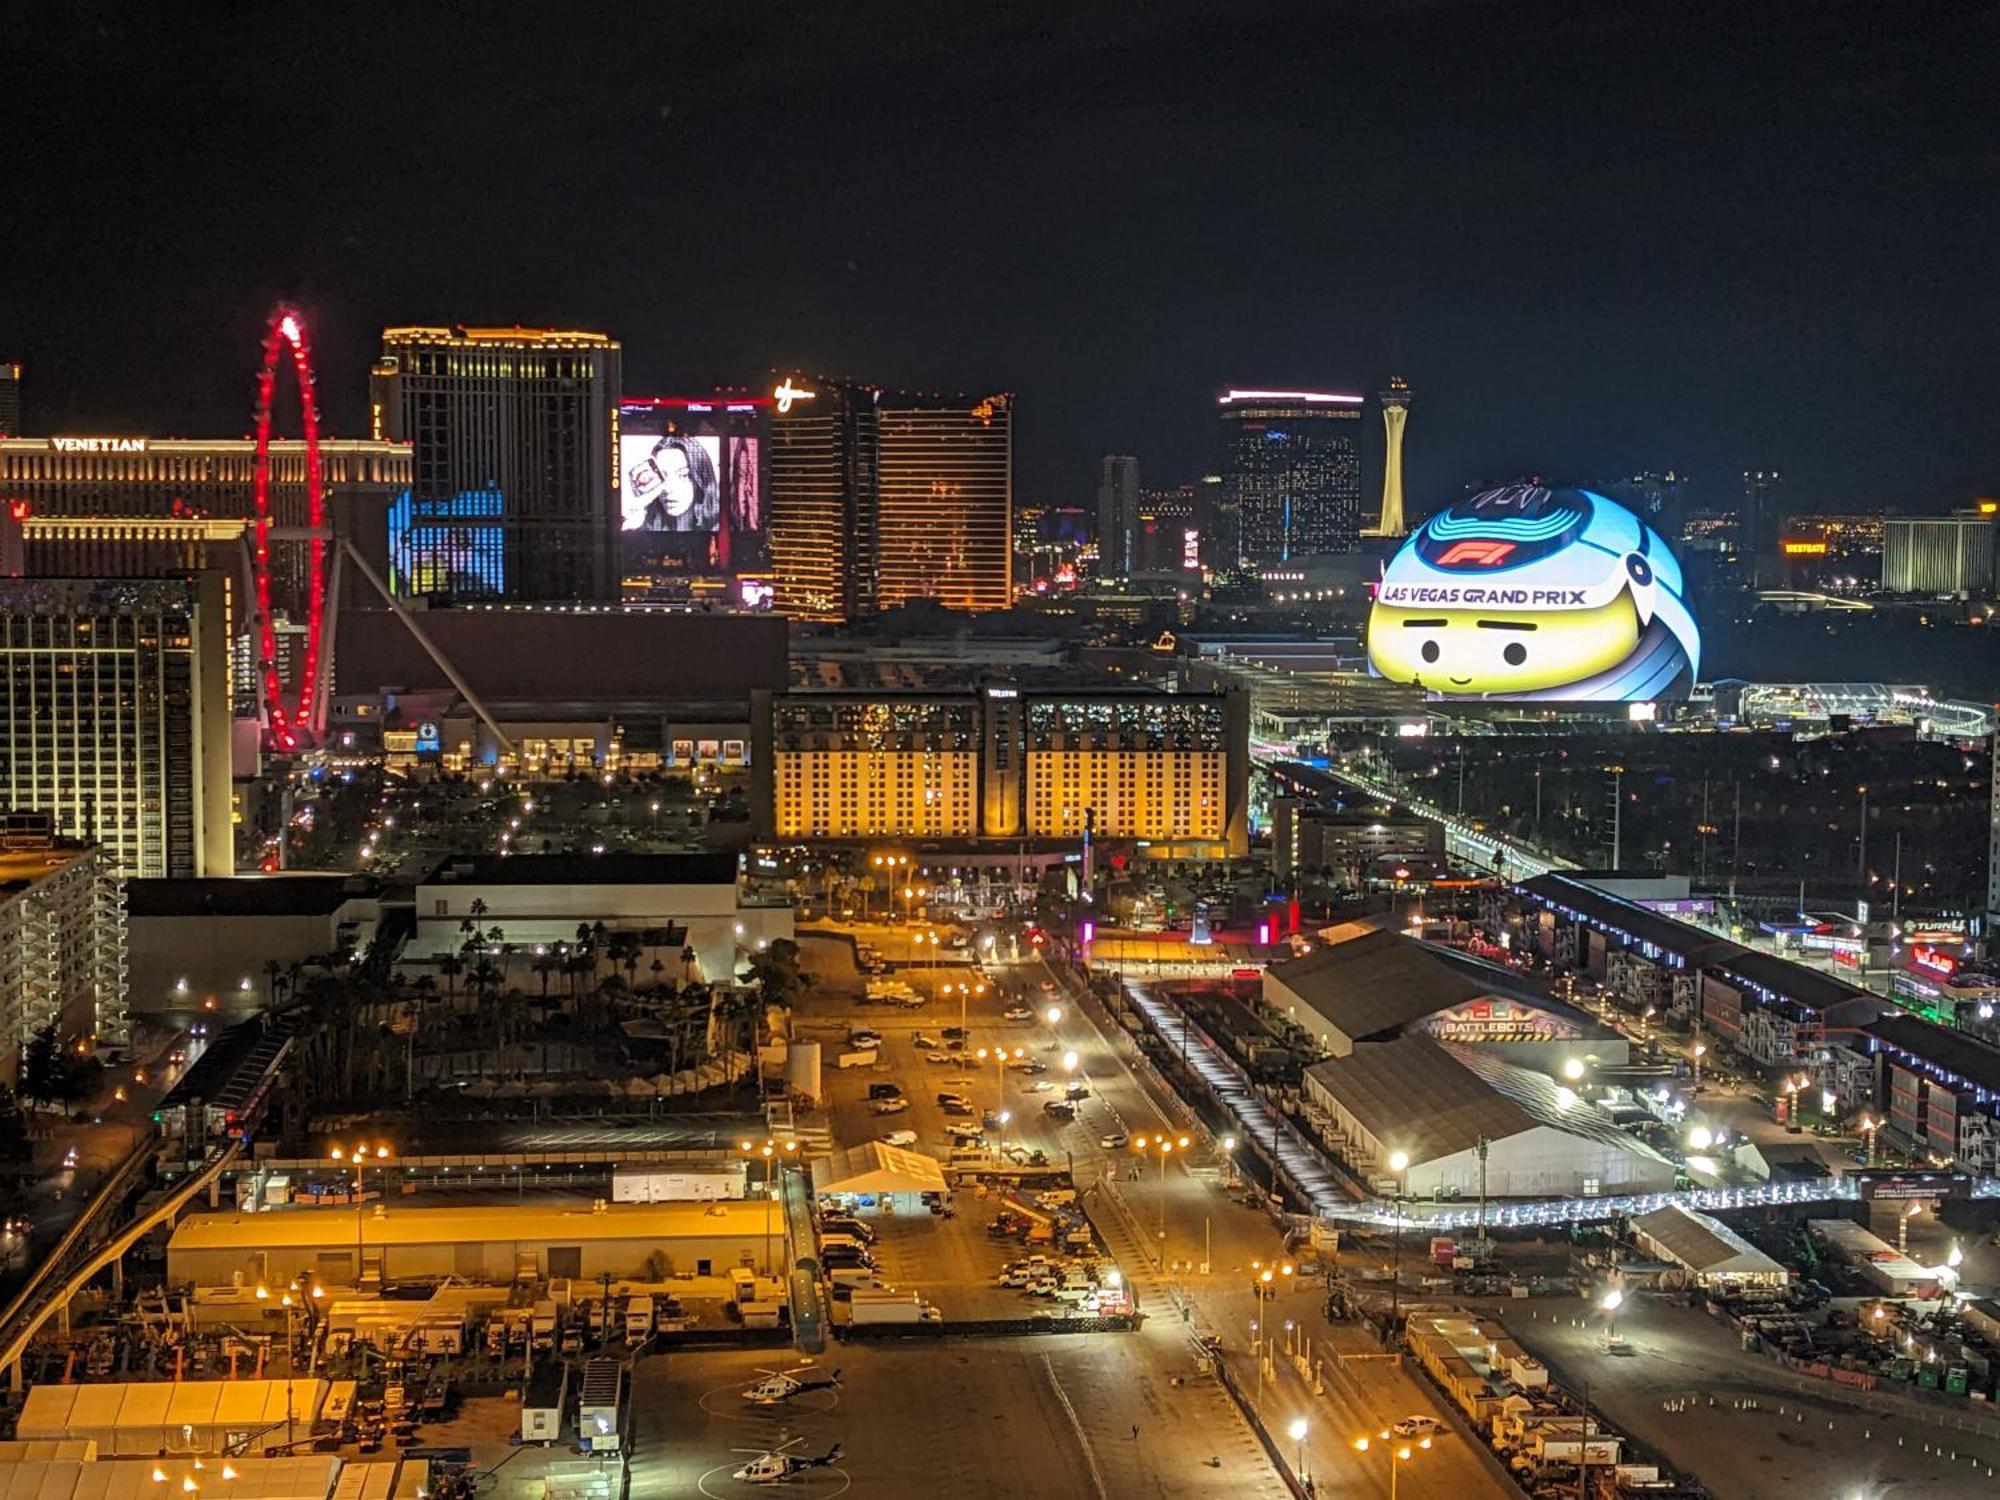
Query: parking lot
950,1262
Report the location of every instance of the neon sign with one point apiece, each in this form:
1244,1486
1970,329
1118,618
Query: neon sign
787,393
1936,962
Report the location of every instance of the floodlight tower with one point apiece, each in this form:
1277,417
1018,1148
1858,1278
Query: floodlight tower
1395,413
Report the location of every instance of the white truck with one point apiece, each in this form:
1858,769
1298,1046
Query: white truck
861,1058
892,1307
638,1319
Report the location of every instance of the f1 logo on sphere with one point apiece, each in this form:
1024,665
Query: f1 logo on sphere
1476,554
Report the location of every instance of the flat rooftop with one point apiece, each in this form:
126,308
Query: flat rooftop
241,896
584,869
21,868
334,1227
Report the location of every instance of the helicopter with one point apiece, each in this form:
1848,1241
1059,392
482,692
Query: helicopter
777,1465
781,1385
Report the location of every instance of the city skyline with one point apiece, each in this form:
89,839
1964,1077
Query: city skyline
1764,330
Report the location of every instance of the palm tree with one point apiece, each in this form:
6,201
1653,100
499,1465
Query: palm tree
625,950
451,966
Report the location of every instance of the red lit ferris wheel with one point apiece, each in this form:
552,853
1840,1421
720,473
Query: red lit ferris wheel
303,726
285,342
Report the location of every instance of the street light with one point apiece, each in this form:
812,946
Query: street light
1698,1052
359,1157
965,991
1397,1456
770,1151
1001,1057
1609,1303
1869,1125
1163,1147
1298,1435
1399,1163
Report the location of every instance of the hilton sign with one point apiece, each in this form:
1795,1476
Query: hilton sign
97,445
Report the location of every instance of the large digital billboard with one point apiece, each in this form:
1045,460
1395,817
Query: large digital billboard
1534,594
690,491
683,482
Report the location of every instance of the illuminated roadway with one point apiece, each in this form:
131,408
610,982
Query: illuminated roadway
1204,1263
1462,840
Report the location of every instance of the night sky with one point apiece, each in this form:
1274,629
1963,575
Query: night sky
1594,237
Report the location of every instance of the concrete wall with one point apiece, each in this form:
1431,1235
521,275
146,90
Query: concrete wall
531,914
215,955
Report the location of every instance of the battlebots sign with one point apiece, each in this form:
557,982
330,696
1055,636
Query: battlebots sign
1527,593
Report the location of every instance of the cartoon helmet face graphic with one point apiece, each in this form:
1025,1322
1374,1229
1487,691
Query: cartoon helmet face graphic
1526,592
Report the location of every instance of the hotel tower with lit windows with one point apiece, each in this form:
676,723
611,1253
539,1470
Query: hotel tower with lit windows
514,487
118,506
882,497
1168,770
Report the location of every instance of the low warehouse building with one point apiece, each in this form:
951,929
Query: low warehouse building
1715,1256
496,1243
1436,1102
317,1476
1880,1263
196,1417
1381,986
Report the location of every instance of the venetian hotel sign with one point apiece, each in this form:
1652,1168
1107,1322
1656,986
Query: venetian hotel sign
97,445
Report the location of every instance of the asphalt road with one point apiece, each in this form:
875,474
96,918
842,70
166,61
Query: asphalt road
997,1419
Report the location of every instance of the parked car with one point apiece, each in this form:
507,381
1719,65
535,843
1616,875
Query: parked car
1416,1426
893,1106
1118,1140
864,1038
1017,1013
885,1091
942,1059
903,1138
923,1042
1059,1109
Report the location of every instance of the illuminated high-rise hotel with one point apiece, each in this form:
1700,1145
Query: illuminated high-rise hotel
514,490
114,716
1000,762
1117,515
191,479
1395,415
882,497
1291,468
